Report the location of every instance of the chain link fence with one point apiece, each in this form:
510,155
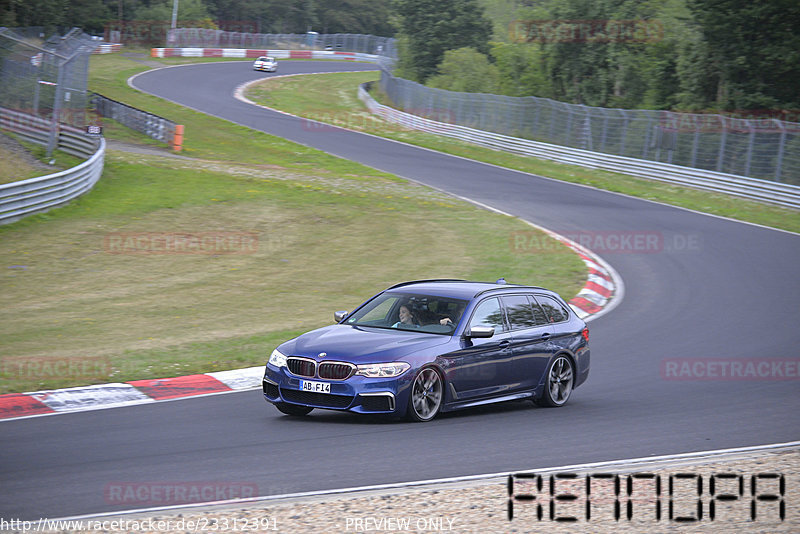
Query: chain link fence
345,42
46,78
758,147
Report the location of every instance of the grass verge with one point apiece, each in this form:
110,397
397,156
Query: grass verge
332,98
20,160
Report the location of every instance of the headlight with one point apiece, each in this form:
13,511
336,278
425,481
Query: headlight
277,359
383,370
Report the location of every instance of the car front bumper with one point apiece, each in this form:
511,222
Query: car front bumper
357,394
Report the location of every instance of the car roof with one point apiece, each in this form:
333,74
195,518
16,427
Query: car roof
454,288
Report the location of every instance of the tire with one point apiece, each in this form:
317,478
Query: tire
293,409
559,382
426,395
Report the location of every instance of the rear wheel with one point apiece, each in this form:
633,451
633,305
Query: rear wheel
293,409
427,392
559,383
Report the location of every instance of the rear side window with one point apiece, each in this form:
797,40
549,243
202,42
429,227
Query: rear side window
538,312
555,311
520,312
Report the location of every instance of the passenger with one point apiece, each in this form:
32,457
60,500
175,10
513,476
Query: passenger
406,318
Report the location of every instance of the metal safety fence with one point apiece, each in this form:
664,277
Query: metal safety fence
763,190
46,78
345,42
19,199
758,147
151,125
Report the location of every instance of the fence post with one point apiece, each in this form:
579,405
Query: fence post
52,142
605,131
781,144
624,135
721,153
749,156
695,144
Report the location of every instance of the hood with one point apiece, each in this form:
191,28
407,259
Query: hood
358,344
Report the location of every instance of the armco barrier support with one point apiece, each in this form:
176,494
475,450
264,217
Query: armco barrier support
177,141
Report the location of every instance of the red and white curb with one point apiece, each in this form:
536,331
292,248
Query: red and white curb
257,52
603,285
21,405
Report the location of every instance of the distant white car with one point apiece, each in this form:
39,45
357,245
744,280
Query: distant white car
265,63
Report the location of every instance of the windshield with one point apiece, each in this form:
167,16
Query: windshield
410,311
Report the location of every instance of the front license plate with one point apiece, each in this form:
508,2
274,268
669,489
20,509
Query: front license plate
315,387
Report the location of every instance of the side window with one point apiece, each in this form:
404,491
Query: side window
488,313
556,313
538,313
519,311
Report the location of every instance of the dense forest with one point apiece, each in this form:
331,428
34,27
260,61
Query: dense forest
655,54
256,16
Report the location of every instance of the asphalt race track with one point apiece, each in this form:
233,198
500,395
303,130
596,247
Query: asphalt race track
718,289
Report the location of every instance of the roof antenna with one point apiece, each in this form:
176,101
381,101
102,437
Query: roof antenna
501,281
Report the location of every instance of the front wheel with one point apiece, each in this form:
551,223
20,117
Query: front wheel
426,395
558,386
293,409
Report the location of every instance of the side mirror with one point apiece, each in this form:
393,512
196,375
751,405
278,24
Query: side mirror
480,332
339,316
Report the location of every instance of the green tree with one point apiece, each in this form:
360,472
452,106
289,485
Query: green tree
465,70
189,11
431,27
353,16
754,51
520,70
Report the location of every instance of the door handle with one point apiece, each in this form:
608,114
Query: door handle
505,344
546,335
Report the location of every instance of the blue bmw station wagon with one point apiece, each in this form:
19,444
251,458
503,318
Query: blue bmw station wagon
430,346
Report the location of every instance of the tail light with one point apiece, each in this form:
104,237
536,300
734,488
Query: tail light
585,334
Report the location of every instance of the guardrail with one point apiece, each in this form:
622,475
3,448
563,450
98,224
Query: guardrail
252,53
26,197
151,125
750,188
